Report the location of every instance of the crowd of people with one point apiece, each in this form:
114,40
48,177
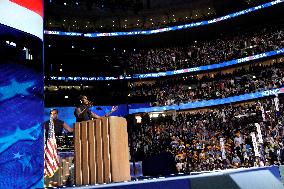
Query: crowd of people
194,138
201,53
242,80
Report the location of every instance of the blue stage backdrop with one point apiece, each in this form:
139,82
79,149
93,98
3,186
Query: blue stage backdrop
21,95
67,113
21,138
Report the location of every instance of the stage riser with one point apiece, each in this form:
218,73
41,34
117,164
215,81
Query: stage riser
253,178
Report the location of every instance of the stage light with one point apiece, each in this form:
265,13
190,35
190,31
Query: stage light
65,4
151,19
64,20
125,20
60,69
66,97
113,21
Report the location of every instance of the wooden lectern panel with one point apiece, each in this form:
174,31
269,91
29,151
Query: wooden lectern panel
78,160
85,155
106,151
99,151
120,167
92,152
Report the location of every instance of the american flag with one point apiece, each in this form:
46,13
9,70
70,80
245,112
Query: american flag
51,160
24,15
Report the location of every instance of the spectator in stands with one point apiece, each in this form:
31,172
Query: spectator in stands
194,138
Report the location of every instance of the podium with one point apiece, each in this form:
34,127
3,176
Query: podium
101,151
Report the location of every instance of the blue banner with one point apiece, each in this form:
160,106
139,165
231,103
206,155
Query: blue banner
207,103
174,72
174,28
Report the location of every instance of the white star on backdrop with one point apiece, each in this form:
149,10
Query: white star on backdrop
15,88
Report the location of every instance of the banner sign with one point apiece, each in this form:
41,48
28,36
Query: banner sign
207,103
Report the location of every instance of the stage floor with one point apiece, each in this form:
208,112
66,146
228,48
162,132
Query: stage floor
243,178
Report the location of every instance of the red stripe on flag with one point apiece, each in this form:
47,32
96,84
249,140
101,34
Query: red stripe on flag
33,5
51,160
